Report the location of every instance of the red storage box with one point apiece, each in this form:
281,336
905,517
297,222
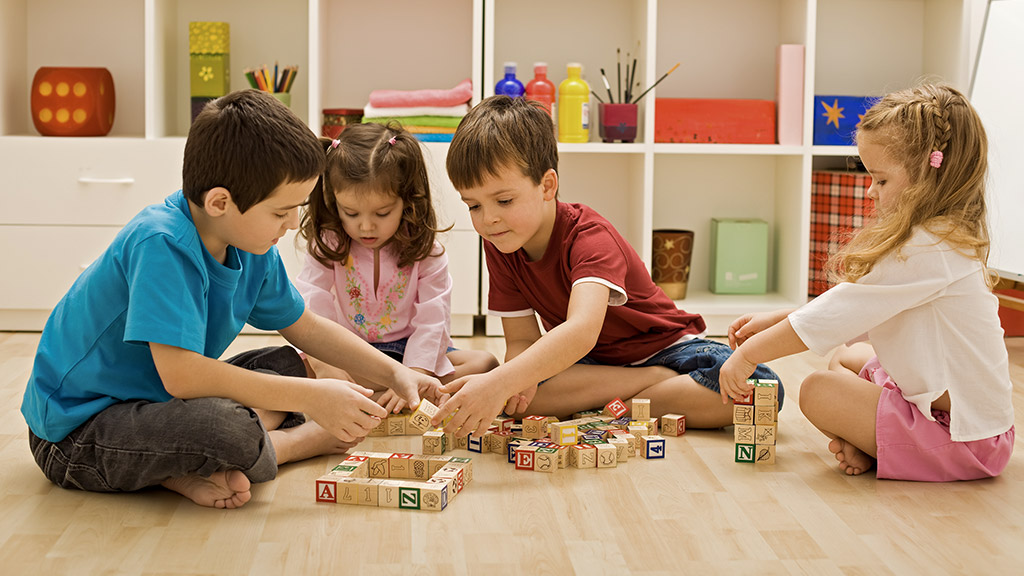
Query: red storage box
688,120
839,206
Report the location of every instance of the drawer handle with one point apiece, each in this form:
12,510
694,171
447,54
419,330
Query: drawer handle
93,180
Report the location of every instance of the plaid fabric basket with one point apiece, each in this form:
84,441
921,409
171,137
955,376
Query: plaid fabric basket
839,205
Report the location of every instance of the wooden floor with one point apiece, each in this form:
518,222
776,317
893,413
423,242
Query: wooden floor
696,512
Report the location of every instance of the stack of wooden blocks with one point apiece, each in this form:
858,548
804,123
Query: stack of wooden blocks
393,480
756,423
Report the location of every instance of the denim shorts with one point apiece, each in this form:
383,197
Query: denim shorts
699,359
702,360
396,349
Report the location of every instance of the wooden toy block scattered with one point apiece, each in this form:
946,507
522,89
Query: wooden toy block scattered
607,455
420,419
525,457
475,444
583,456
641,409
652,447
533,426
673,425
434,442
616,408
744,452
545,460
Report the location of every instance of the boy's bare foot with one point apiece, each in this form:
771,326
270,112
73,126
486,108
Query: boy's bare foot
306,440
224,489
851,459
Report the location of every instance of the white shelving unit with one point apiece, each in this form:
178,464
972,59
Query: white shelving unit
66,197
727,50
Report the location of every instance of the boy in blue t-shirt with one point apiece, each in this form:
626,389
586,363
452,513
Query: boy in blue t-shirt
126,391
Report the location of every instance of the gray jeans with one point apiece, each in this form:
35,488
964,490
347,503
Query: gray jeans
136,444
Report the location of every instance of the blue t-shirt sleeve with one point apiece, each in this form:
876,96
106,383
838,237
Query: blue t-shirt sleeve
166,295
279,304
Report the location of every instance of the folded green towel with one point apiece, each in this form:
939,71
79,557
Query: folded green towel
441,121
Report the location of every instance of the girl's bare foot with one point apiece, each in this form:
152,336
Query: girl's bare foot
306,440
851,459
224,489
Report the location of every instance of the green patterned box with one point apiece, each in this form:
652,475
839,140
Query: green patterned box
208,74
209,38
739,256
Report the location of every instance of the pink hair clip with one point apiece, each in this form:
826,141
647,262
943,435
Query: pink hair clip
392,140
935,159
334,143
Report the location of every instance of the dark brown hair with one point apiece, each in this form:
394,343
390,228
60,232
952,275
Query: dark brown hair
498,133
248,143
379,158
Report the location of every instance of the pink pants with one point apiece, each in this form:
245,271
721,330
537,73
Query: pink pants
912,447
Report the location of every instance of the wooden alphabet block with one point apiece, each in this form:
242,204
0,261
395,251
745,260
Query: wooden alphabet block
504,423
420,418
419,467
744,452
641,409
673,425
742,414
652,447
621,448
435,463
764,454
765,434
433,442
563,434
765,415
379,464
584,456
533,426
747,400
327,489
433,496
498,442
396,424
475,444
743,433
766,392
400,466
460,443
464,464
525,456
387,493
545,460
607,455
367,491
616,408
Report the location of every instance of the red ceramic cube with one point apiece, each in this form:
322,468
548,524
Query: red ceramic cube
73,101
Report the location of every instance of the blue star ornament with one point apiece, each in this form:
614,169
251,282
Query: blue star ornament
836,118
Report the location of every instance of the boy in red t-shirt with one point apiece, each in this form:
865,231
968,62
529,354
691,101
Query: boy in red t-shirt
610,331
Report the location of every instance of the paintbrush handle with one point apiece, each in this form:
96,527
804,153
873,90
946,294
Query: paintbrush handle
651,87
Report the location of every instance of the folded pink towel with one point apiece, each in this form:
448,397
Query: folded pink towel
430,97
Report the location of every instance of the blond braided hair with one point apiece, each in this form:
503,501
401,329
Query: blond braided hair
949,201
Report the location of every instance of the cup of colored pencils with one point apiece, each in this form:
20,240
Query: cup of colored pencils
277,80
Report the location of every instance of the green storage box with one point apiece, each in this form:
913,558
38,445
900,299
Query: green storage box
739,256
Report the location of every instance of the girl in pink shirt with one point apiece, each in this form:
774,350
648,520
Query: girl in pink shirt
374,264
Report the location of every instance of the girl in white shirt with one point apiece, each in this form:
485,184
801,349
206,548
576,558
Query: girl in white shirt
374,264
930,398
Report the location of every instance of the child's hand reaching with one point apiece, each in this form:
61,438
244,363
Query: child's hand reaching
732,378
750,324
430,390
518,403
473,403
345,410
